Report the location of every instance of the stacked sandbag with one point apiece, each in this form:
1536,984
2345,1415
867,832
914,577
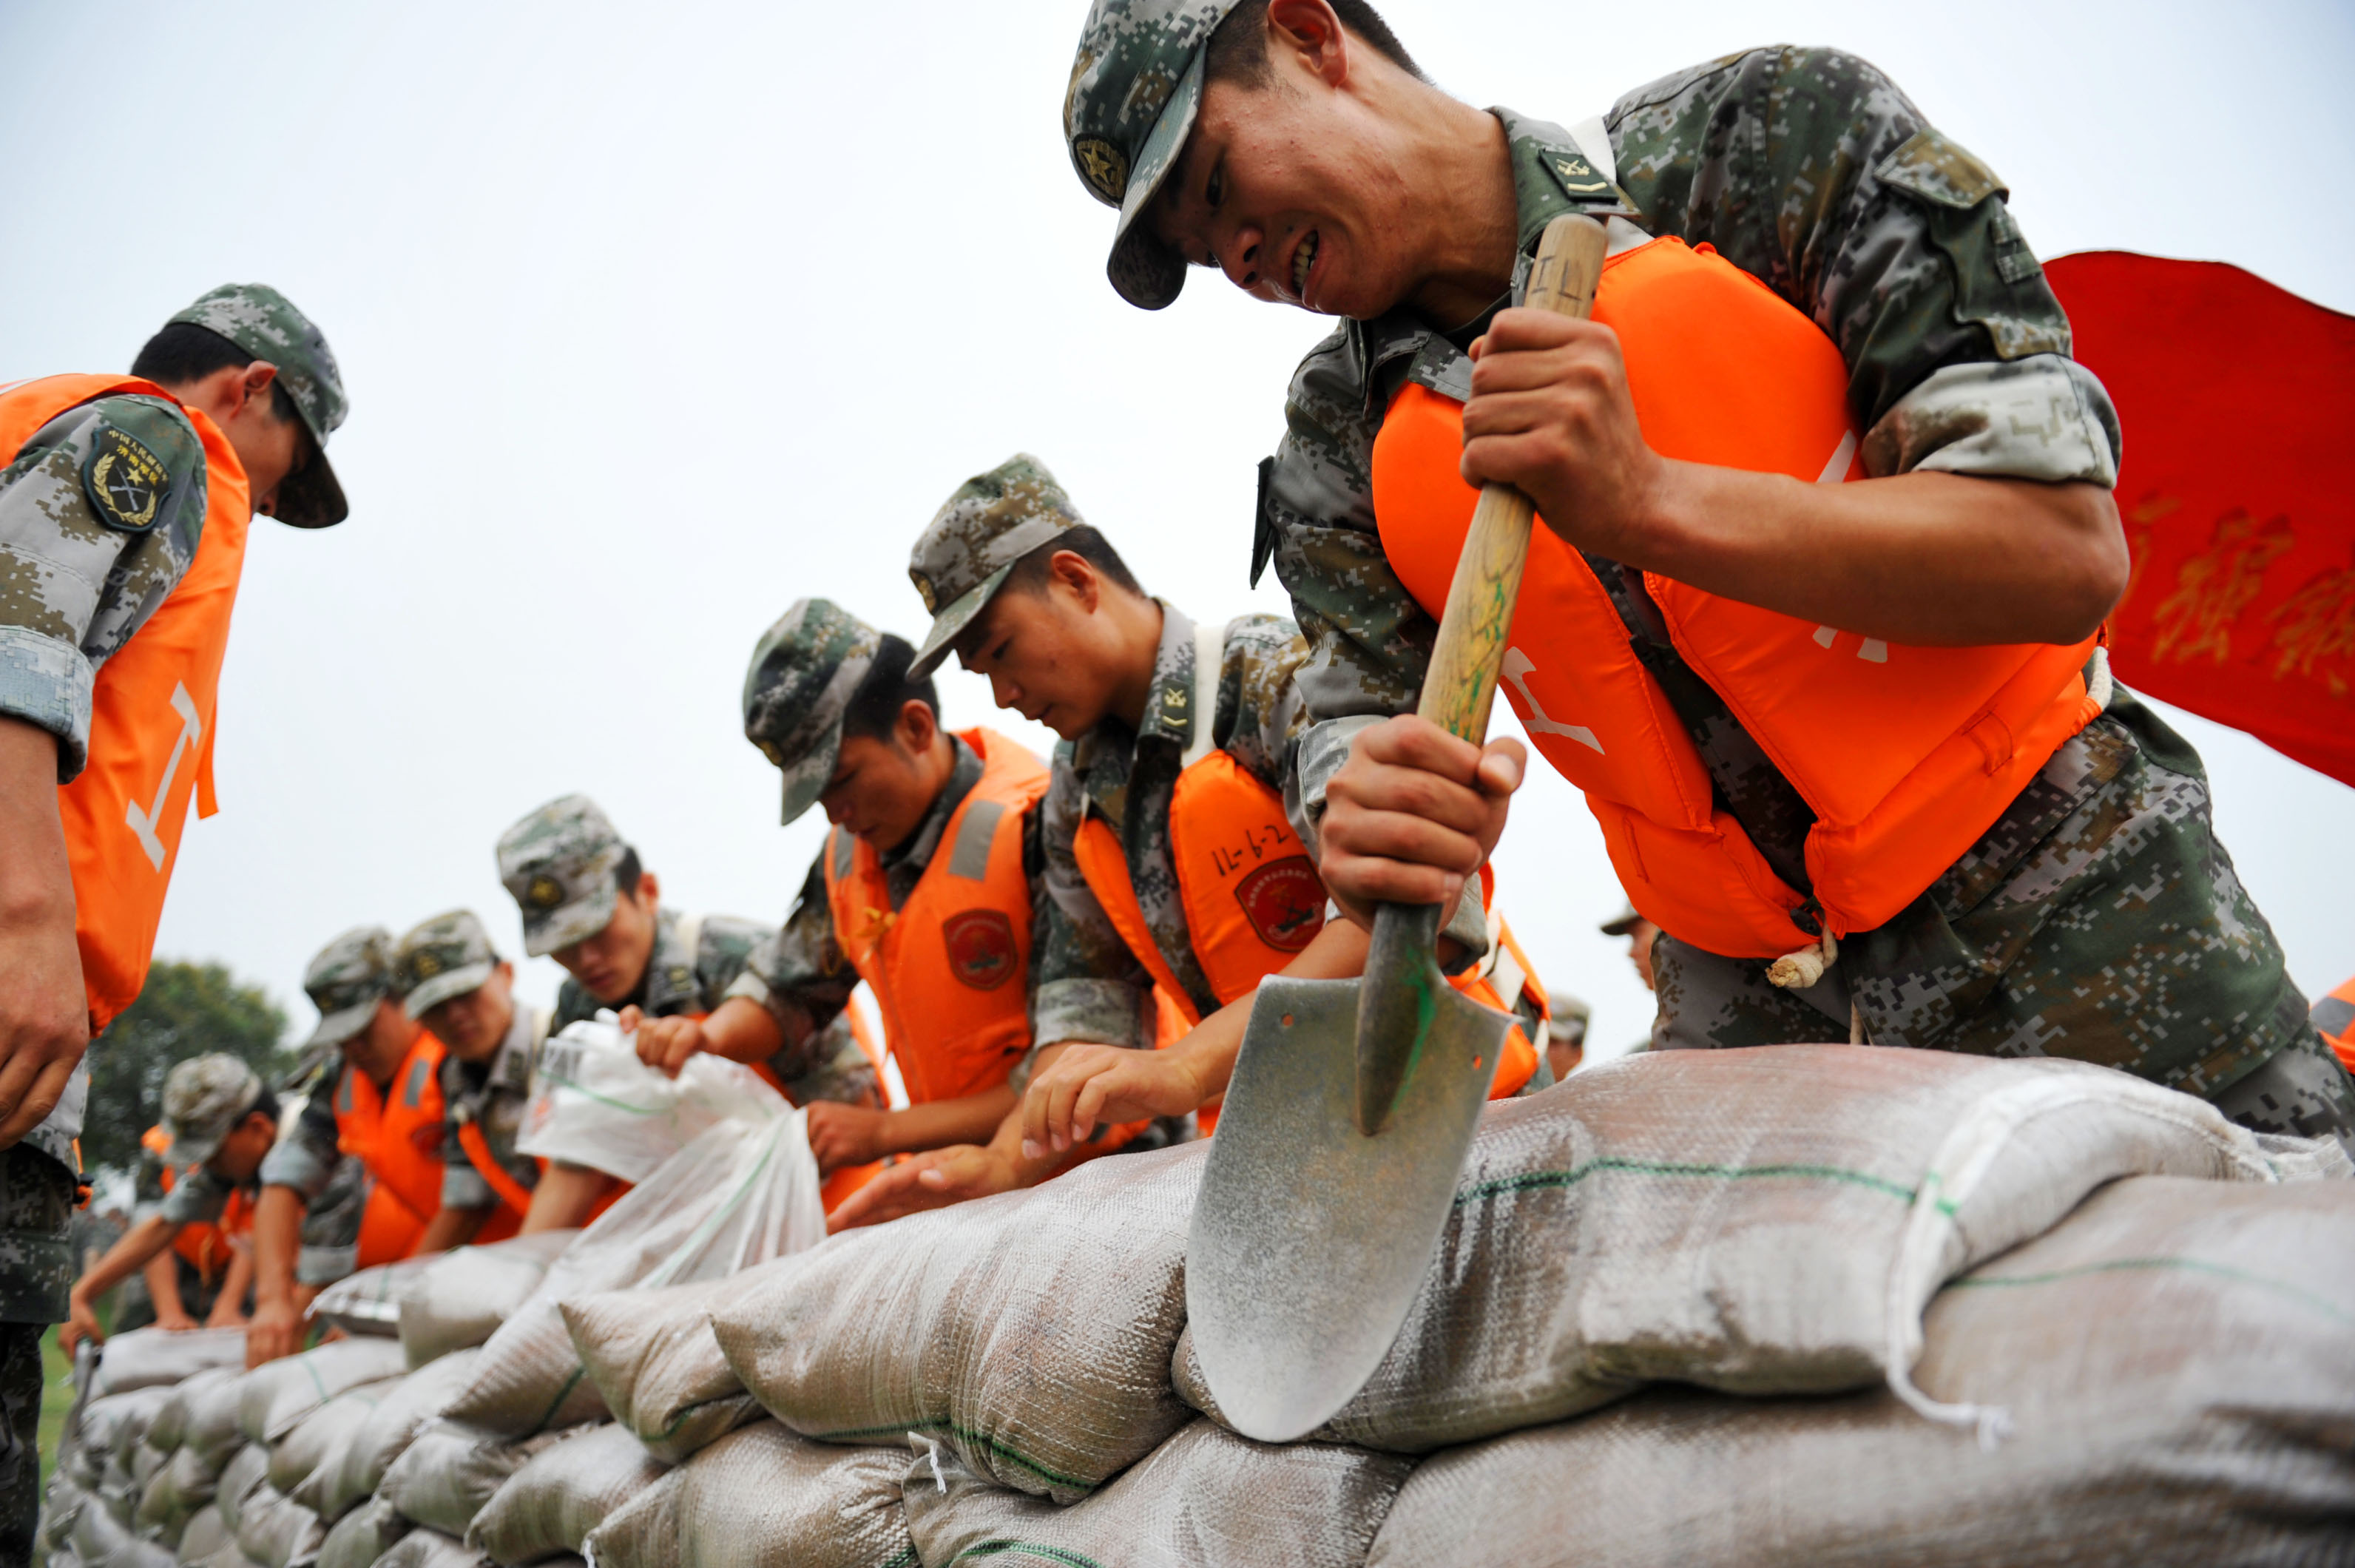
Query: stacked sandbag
444,1477
561,1493
432,1549
457,1300
658,1366
735,1503
2177,1366
1764,1222
279,1394
368,1301
153,1358
1031,1333
275,1531
363,1535
400,1413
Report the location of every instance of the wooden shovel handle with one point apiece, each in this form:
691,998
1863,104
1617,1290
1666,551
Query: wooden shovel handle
1462,684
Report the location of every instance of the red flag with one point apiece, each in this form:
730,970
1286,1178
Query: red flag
2238,493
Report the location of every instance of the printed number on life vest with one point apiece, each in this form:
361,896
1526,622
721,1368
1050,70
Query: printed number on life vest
144,821
1517,669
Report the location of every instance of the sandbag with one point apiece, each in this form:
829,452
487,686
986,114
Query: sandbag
731,1506
593,1103
204,1535
247,1470
184,1486
1206,1499
114,1424
150,1358
443,1478
1762,1221
100,1541
117,1492
369,1302
275,1531
278,1395
399,1414
2174,1361
736,1196
169,1428
229,1556
363,1535
654,1359
319,1437
208,1405
460,1297
62,1504
432,1549
147,1462
562,1493
1032,1330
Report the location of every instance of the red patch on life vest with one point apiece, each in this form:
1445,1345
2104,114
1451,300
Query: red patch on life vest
1285,902
981,947
428,1139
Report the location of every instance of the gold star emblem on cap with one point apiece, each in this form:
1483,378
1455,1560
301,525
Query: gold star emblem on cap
1105,165
545,892
425,966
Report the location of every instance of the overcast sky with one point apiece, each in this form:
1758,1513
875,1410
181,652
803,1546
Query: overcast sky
656,318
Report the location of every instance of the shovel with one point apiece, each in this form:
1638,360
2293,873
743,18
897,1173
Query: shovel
1354,1101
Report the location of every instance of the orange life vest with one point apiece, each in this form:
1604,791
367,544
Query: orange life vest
399,1137
951,968
203,1243
2334,1019
1905,754
1251,896
152,712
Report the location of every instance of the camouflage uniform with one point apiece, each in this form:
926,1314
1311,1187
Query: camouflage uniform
448,957
560,864
1811,171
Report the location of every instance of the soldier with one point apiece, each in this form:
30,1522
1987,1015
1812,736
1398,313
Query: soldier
1176,884
124,503
207,1270
1956,784
587,902
454,982
222,1120
357,1180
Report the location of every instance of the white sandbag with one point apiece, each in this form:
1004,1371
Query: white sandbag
147,1462
101,1541
369,1302
1206,1499
460,1298
593,1103
204,1535
275,1531
319,1437
208,1404
2175,1358
146,1358
432,1549
731,1506
1032,1330
363,1535
279,1393
169,1428
229,1556
62,1504
115,1424
247,1470
563,1492
737,1195
443,1478
653,1357
1763,1221
405,1409
184,1486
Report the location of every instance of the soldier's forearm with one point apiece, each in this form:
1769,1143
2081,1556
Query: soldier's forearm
277,1237
968,1119
741,1030
145,1240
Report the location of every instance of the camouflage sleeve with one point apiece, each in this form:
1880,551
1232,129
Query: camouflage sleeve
720,952
1085,983
1260,715
330,1245
197,1199
100,515
1809,169
305,1156
800,975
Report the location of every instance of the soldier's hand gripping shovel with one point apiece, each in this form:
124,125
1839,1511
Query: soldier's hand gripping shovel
1353,1102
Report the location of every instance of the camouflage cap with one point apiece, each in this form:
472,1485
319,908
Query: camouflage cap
205,1097
801,678
559,863
446,957
350,976
1136,86
962,556
265,324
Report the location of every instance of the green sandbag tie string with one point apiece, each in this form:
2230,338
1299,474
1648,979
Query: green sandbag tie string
2303,1297
904,1558
1051,1554
980,1439
1537,1180
579,1371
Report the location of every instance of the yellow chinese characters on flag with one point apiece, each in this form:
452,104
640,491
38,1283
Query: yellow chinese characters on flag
2237,490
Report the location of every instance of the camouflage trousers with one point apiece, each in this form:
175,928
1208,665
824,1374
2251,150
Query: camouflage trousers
20,1459
37,1275
2098,919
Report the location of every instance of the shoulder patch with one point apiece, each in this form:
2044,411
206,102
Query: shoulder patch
127,483
1940,171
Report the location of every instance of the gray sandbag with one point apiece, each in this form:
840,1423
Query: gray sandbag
206,1406
1761,1222
563,1492
118,1494
182,1487
2177,1362
654,1359
275,1531
62,1504
151,1358
247,1470
443,1478
460,1298
147,1462
405,1409
368,1301
100,1541
319,1438
432,1549
1032,1332
114,1424
1206,1499
732,1505
204,1535
278,1395
229,1556
363,1535
169,1428
737,1195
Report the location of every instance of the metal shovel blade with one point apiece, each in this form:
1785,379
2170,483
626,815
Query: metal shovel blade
1310,1238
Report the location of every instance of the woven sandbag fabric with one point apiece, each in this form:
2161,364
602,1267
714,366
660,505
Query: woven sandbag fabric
445,1476
211,1400
320,1437
229,1556
363,1535
147,1462
248,1468
276,1531
562,1493
369,1302
2174,1360
732,1505
148,1357
115,1424
654,1358
458,1299
100,1541
204,1535
278,1395
431,1549
1032,1330
415,1400
1206,1499
169,1429
1762,1221
185,1485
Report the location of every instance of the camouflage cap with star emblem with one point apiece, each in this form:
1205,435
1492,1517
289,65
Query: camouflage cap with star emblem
961,557
1136,87
559,863
442,957
265,324
803,671
205,1097
346,981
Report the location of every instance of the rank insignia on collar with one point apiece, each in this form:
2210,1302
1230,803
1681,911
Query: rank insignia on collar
1583,183
126,482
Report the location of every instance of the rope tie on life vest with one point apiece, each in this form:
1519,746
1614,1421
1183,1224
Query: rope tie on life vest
1797,971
